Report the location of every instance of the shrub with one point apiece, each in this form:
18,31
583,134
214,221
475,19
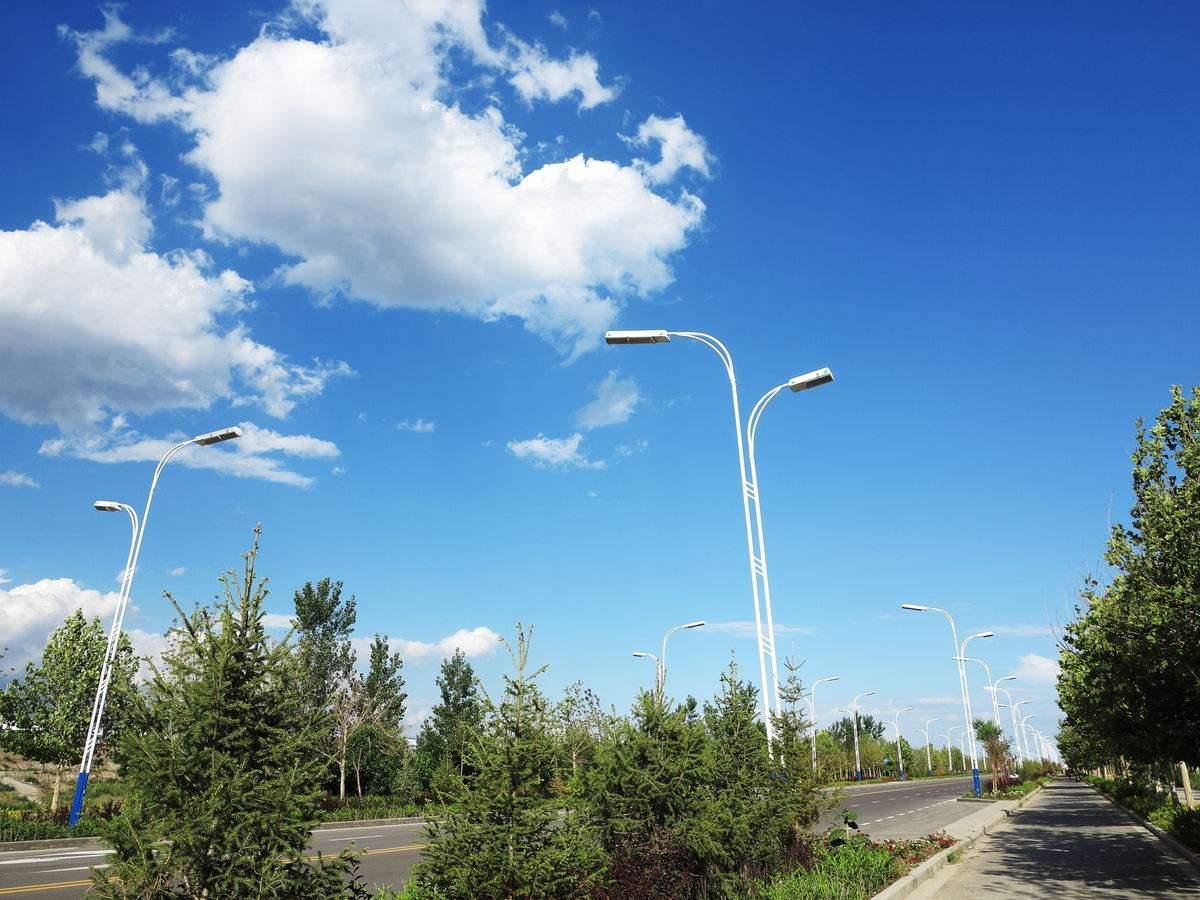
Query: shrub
1186,827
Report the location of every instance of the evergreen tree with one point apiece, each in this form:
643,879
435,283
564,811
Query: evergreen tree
221,767
454,720
323,627
506,837
50,708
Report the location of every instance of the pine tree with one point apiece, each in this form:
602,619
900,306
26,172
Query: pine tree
50,708
506,836
221,764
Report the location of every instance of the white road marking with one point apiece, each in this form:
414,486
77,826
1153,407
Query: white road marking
34,860
357,837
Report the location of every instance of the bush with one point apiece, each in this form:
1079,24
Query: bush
354,809
39,824
1186,827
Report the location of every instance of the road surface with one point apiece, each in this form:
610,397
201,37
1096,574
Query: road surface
903,809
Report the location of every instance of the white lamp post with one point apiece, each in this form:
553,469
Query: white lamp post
928,752
949,752
642,654
960,651
812,702
662,660
854,710
987,670
951,730
1016,709
89,745
755,544
1012,712
1025,733
899,752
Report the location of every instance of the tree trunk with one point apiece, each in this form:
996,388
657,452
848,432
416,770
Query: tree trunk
57,785
358,780
1187,785
342,778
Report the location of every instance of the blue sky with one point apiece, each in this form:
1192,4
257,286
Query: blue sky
391,245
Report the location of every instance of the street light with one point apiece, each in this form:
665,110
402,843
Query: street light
1016,707
755,544
854,709
899,751
1024,733
812,702
928,754
1012,712
662,660
949,752
991,685
135,550
960,651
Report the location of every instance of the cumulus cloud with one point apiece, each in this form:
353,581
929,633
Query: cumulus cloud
1036,669
474,642
277,621
30,612
616,399
425,204
559,453
679,148
558,20
12,478
93,322
246,457
420,426
178,571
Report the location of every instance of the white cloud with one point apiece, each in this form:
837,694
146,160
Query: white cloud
744,628
1035,669
938,701
246,457
278,621
474,642
94,322
627,450
338,471
420,426
4,579
178,571
679,148
30,612
563,453
427,205
616,399
17,479
148,645
558,19
1023,630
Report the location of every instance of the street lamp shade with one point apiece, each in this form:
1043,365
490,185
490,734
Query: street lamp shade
914,607
811,380
636,337
984,634
905,709
639,653
1006,678
697,624
107,506
215,437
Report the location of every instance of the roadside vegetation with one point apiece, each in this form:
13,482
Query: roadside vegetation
1158,806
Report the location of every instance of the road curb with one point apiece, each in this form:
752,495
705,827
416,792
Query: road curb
96,843
1171,841
927,869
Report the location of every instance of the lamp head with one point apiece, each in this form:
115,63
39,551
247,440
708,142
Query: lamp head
811,380
905,709
639,653
699,623
914,607
215,437
636,337
107,506
1006,678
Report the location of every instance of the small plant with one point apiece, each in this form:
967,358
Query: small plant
955,857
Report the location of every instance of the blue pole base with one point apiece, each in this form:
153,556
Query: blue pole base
858,775
903,775
77,802
929,772
976,783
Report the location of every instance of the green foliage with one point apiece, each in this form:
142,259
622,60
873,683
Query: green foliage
852,870
384,685
996,747
453,722
506,837
50,707
1129,684
323,625
1160,809
221,762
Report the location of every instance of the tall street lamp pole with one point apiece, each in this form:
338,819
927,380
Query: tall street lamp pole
854,711
1016,709
951,730
642,654
662,660
928,752
755,545
812,702
114,636
991,686
1025,733
899,751
962,682
949,752
1012,712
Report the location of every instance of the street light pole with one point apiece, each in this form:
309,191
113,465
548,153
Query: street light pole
928,752
139,529
1016,708
812,700
949,752
951,730
699,623
1012,712
854,711
658,679
1025,733
962,682
991,686
755,544
899,751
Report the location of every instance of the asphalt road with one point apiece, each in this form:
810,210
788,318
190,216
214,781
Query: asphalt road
893,810
905,809
390,851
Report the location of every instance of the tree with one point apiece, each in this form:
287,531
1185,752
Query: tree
224,783
506,836
995,747
50,708
454,719
323,627
375,742
384,684
1130,674
579,723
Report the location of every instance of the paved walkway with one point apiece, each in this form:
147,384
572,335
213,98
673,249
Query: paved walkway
1067,843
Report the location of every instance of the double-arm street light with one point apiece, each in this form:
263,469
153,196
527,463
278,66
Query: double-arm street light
949,752
960,651
660,661
812,703
991,686
928,752
950,731
1011,710
895,723
858,773
114,634
755,542
1024,733
1016,710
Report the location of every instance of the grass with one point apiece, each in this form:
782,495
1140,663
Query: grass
854,870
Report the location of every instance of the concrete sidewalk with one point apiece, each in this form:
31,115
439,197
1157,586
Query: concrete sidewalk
1068,843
